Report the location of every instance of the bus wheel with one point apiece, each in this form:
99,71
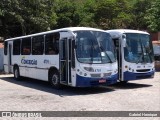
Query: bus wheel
123,82
54,79
16,73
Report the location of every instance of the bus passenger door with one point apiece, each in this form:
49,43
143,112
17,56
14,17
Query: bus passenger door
65,61
117,44
9,58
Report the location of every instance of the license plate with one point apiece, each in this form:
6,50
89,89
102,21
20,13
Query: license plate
102,81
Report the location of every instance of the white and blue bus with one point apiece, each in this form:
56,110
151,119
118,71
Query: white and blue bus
74,56
134,54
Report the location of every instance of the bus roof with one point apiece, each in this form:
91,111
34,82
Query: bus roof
127,31
116,33
71,29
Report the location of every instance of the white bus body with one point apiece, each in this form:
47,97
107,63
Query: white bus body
58,56
134,53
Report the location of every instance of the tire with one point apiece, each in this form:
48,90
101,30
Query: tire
16,73
123,82
54,79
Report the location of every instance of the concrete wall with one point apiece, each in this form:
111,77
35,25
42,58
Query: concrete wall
1,59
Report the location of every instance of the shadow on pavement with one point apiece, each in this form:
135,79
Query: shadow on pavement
129,85
65,91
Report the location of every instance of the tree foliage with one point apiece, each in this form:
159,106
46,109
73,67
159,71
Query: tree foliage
112,14
21,17
153,16
139,10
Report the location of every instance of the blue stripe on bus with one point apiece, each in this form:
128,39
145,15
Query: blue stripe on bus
88,82
136,76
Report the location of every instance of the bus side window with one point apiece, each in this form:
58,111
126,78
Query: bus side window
5,47
16,47
26,46
37,45
52,44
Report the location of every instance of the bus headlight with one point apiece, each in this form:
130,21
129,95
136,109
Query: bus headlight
80,73
116,71
85,74
126,67
90,69
107,74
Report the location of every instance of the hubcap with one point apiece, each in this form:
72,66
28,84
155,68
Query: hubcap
54,79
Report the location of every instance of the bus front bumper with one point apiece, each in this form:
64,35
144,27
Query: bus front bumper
88,82
137,76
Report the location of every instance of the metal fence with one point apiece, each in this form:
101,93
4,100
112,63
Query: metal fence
1,59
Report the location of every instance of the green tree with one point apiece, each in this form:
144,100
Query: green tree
9,18
153,16
87,13
123,18
138,12
65,13
75,13
19,17
38,15
112,14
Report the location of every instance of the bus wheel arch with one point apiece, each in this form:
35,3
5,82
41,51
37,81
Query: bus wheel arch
16,72
54,77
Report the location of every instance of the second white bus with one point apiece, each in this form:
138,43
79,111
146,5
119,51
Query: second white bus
74,56
134,53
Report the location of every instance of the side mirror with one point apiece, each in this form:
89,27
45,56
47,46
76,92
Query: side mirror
124,40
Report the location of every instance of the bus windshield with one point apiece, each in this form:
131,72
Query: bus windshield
138,48
94,47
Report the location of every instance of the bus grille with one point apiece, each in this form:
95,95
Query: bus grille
107,74
95,75
143,70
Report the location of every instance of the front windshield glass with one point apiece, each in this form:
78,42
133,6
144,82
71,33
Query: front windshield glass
94,47
138,48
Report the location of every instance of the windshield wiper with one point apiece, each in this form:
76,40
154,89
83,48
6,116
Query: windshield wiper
142,54
148,51
102,49
91,51
93,47
139,58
